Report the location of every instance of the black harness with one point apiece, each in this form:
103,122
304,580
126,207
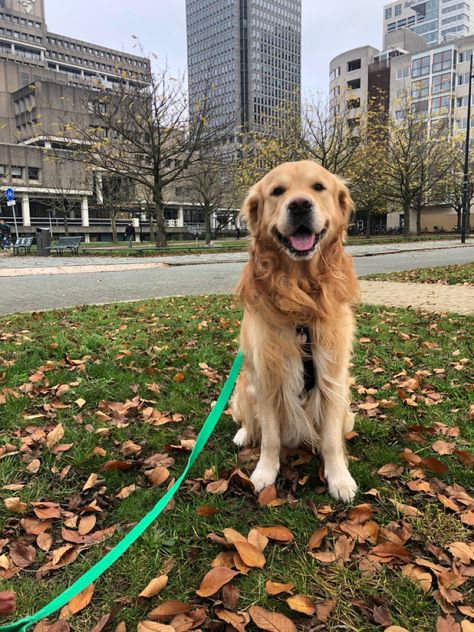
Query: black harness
307,357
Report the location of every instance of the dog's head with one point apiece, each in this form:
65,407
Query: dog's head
296,206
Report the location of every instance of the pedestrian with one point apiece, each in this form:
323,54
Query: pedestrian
5,235
130,234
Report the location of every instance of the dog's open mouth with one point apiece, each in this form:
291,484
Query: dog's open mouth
302,243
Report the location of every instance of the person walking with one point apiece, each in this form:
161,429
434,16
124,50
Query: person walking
130,234
5,235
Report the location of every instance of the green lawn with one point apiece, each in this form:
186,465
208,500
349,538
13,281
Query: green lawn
104,372
462,274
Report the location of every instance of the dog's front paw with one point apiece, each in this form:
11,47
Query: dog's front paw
241,438
342,487
263,476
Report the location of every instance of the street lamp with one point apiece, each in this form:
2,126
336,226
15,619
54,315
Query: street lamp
465,201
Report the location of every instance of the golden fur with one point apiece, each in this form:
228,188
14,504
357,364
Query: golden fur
279,290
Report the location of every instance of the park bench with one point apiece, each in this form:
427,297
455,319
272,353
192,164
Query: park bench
68,243
22,243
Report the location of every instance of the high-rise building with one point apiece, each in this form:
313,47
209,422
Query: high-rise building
435,20
245,56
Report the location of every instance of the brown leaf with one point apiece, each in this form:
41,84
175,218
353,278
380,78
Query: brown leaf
169,609
15,505
387,551
35,527
153,626
232,536
230,596
267,495
129,448
418,576
125,492
276,588
44,541
361,513
395,628
447,624
90,538
91,481
214,580
217,487
324,609
7,603
316,539
302,603
271,621
206,511
158,475
465,457
280,534
238,621
153,588
108,466
443,447
86,524
382,616
258,540
82,600
22,555
462,551
390,470
33,466
46,510
250,555
54,436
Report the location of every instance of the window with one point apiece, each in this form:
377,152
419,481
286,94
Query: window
420,89
440,103
33,173
420,67
442,61
398,9
2,171
353,104
402,73
465,56
421,107
441,83
388,13
354,84
17,173
355,64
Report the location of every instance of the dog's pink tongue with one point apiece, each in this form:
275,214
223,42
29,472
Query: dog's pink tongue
302,242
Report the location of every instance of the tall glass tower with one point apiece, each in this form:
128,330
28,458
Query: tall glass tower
245,55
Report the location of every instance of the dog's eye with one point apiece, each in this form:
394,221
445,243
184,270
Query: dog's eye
318,186
278,191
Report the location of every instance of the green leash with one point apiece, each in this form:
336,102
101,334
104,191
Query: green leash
112,556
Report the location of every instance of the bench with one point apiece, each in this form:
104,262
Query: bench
24,243
68,243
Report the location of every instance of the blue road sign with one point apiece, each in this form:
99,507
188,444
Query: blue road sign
10,194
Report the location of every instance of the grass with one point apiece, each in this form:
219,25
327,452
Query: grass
462,274
118,352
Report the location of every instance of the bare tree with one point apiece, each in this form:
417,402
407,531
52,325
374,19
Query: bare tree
142,131
117,196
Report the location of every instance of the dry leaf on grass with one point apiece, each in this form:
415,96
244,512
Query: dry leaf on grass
237,620
82,600
153,626
169,609
153,588
271,621
214,580
7,603
280,534
15,505
250,555
86,524
276,588
302,603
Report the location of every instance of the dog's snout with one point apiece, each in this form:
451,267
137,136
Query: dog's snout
300,206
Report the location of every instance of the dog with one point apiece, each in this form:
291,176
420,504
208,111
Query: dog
297,291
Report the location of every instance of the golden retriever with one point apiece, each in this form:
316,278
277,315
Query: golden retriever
297,289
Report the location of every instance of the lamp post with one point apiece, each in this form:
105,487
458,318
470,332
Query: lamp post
465,202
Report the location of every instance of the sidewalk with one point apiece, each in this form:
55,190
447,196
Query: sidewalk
428,297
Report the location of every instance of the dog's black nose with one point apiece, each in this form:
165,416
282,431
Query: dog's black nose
300,206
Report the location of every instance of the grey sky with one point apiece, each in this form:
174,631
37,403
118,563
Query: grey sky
329,28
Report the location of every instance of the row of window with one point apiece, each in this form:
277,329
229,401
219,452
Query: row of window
18,173
81,62
94,51
441,61
389,11
26,37
23,21
401,24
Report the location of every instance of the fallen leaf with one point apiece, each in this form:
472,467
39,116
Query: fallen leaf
214,580
125,492
86,524
217,487
250,555
15,505
44,541
206,511
418,576
54,436
390,470
271,621
302,603
91,481
238,620
82,600
7,603
153,626
447,624
316,539
280,534
276,588
324,609
153,588
168,609
267,495
158,475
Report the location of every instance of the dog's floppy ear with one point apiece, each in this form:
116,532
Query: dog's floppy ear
250,209
344,199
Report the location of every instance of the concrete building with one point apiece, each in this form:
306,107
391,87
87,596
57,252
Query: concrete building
435,20
246,56
44,82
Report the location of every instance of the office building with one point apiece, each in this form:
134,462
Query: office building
435,20
245,56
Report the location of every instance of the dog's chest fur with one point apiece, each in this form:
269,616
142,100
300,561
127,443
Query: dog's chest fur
303,337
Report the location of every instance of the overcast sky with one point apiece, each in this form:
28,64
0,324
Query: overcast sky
329,28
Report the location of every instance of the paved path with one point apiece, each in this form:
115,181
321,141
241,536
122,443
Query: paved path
427,297
98,280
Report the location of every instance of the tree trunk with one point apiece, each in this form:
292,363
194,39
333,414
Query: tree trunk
159,213
406,221
113,225
207,225
458,210
66,225
368,221
418,220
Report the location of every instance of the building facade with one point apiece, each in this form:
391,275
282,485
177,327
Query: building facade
245,55
44,82
435,20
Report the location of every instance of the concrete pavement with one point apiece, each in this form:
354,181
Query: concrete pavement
29,284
